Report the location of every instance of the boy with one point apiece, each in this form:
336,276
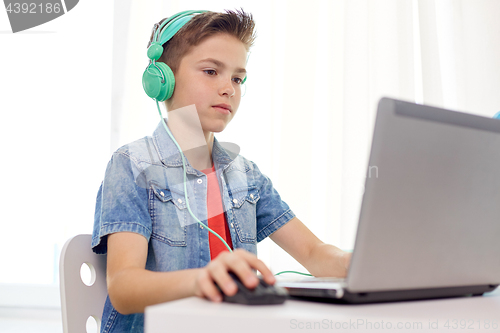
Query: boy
156,251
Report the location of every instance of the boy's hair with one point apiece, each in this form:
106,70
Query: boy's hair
235,23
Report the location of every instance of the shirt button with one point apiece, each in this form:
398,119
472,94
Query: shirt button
199,181
232,226
251,196
201,227
235,201
179,200
162,194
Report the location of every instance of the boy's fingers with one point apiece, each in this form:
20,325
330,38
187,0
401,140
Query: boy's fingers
239,262
243,263
208,288
219,275
210,291
260,266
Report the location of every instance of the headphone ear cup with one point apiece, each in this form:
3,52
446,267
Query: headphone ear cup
169,81
152,81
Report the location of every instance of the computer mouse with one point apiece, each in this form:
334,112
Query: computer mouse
262,294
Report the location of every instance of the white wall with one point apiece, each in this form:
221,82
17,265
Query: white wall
55,104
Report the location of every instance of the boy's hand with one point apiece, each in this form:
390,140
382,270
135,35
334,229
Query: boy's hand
345,260
241,263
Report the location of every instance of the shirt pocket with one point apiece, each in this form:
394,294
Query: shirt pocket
169,216
244,207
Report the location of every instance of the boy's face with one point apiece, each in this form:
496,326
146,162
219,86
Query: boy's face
210,76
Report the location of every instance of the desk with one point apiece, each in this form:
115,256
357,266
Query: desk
466,314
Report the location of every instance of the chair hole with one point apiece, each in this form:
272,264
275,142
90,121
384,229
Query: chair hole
93,325
87,273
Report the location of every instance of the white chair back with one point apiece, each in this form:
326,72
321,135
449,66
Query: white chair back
78,300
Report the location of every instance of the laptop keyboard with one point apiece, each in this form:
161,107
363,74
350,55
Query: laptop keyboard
323,279
311,279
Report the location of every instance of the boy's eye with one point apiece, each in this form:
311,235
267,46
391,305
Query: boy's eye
238,80
210,71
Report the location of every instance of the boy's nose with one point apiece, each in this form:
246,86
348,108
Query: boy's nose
227,88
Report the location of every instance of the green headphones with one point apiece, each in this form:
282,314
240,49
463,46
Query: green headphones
158,79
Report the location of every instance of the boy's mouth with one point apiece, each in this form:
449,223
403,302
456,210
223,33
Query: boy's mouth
224,106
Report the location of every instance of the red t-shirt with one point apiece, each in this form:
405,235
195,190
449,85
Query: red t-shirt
216,217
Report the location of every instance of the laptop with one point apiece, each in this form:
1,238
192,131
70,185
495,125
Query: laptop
429,225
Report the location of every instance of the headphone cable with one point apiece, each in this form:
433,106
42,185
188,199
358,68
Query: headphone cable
185,180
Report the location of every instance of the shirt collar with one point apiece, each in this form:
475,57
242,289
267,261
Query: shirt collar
170,156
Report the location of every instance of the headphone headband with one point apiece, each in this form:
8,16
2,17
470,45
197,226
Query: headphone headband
173,24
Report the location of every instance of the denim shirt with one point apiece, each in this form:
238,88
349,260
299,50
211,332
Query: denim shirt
143,192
